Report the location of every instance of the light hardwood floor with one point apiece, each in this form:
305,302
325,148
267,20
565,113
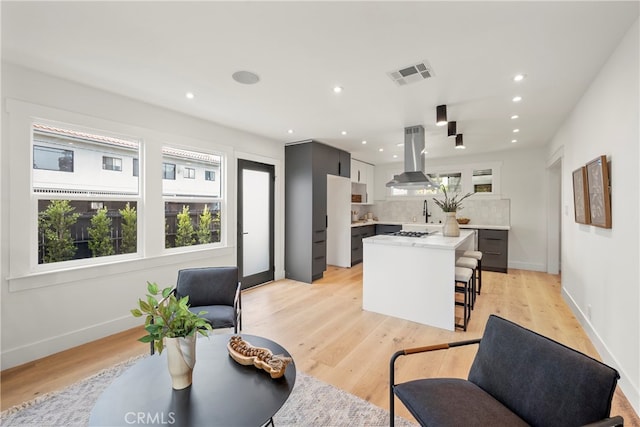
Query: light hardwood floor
331,338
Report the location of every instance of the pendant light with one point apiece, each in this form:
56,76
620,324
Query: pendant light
451,129
441,115
459,143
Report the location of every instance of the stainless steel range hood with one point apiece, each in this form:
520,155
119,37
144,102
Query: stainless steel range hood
413,176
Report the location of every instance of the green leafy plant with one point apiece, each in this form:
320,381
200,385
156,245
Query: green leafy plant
450,204
168,318
54,224
100,234
204,228
129,229
184,232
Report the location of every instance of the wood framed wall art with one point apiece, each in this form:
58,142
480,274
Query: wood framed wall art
581,196
599,198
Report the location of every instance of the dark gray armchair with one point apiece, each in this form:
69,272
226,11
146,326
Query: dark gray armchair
518,378
215,290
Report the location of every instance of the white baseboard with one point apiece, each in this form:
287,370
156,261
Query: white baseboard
629,389
36,350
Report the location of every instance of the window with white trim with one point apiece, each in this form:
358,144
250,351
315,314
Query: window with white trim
193,203
189,173
83,213
111,163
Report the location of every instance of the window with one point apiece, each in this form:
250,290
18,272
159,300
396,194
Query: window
193,207
482,180
53,159
209,175
168,171
136,167
111,163
83,214
451,181
189,173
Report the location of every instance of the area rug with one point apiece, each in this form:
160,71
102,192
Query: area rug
312,403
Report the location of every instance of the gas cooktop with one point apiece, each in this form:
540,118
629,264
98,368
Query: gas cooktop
412,233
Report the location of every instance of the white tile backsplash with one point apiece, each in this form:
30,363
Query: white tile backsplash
483,212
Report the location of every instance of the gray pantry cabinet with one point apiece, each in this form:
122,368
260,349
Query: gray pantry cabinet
307,165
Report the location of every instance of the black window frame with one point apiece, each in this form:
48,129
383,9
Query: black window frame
172,169
52,149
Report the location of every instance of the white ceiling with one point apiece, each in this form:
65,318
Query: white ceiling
158,51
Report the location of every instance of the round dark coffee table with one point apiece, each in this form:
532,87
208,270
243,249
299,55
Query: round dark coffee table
223,393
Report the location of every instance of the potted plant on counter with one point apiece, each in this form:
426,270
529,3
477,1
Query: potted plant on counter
169,323
450,205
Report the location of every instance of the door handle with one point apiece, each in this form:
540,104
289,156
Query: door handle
245,233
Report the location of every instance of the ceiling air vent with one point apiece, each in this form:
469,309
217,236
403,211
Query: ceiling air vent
411,74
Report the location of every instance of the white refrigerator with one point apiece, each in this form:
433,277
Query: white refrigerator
338,221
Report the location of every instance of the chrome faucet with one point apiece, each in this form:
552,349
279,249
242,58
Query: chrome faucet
425,211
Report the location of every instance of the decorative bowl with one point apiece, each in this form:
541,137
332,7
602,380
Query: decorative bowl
463,220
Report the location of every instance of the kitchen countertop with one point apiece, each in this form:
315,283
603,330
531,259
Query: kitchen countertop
414,226
435,240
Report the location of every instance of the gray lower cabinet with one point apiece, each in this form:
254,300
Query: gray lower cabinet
494,245
357,234
387,228
306,167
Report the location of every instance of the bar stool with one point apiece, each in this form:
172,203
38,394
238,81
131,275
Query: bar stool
477,255
462,286
471,263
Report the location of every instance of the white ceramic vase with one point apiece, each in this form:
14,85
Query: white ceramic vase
181,358
451,228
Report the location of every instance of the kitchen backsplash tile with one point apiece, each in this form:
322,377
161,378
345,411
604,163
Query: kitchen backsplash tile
484,212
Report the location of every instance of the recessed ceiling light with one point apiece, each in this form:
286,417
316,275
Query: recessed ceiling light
189,95
245,77
395,156
381,149
337,89
515,116
513,141
364,142
516,130
517,98
401,144
344,132
518,77
290,131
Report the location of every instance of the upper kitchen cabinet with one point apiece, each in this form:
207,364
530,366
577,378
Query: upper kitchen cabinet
307,165
362,179
336,162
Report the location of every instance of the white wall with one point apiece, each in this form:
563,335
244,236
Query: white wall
523,182
601,267
48,312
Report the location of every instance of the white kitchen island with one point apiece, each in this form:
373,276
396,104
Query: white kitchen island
413,277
